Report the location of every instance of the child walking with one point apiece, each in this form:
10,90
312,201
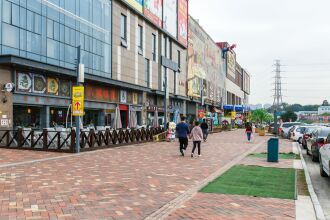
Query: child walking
197,137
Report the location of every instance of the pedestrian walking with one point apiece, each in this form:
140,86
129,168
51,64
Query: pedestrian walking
197,136
182,131
205,129
248,132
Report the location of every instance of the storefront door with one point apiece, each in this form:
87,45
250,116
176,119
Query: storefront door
124,115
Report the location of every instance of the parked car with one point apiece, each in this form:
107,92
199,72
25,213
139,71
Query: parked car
297,132
324,158
317,141
285,127
306,135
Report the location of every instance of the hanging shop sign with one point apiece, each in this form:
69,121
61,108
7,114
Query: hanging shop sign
39,84
135,98
170,16
77,100
52,86
153,9
123,96
64,89
24,82
183,21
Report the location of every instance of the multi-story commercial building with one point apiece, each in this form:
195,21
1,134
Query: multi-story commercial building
206,73
148,44
38,52
128,48
237,80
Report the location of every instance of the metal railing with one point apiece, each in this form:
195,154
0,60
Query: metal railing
64,140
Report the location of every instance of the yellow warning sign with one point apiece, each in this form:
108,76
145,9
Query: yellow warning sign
77,100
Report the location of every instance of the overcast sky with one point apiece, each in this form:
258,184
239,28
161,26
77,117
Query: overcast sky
295,31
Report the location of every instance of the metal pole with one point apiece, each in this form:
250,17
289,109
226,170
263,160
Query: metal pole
202,87
78,117
165,100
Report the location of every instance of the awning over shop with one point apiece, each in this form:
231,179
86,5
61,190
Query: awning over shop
236,108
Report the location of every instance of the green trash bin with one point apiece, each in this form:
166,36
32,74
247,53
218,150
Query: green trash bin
272,150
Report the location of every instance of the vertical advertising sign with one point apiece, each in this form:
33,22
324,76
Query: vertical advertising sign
153,9
170,17
137,4
77,100
231,64
183,21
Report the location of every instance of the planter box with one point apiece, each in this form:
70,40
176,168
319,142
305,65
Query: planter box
261,132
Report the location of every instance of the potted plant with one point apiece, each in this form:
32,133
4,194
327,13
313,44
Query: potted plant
260,116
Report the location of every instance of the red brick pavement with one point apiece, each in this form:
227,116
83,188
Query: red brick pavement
15,156
122,183
220,207
217,206
285,146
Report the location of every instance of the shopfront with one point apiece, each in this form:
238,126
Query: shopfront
151,114
191,111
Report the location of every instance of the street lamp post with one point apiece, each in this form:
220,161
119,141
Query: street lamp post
165,100
78,117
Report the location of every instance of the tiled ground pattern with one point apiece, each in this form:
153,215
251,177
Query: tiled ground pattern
209,206
122,183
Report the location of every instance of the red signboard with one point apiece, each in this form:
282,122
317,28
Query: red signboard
183,21
153,9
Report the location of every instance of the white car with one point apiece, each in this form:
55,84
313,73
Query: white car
298,133
324,157
285,127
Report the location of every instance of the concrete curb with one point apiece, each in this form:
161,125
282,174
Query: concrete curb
168,208
317,207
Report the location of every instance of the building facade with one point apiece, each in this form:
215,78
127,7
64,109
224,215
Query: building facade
206,75
148,47
237,79
38,52
132,51
128,48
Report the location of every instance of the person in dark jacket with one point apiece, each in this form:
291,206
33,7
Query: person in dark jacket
182,131
205,129
248,132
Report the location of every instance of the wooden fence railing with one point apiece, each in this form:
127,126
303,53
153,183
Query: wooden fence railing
64,140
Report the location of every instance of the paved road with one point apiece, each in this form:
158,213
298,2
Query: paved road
321,185
121,183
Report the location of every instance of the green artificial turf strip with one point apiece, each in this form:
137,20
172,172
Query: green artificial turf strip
255,181
280,155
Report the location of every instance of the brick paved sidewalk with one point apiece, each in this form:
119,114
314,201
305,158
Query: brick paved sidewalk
210,206
217,206
121,183
16,156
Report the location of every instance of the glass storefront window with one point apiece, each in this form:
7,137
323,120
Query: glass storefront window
31,23
58,117
27,116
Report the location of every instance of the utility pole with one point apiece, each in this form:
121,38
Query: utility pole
166,93
79,81
277,93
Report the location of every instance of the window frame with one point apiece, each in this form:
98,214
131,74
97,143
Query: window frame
140,39
154,52
123,24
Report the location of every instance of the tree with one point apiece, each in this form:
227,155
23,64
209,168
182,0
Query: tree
261,115
325,103
289,116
